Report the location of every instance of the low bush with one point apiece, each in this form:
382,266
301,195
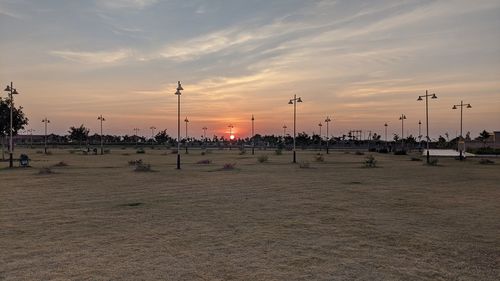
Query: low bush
205,161
262,158
135,162
486,162
415,159
373,149
229,166
141,167
400,152
319,157
61,164
203,152
359,153
39,152
173,151
45,171
433,162
140,151
242,152
370,162
278,151
383,150
107,151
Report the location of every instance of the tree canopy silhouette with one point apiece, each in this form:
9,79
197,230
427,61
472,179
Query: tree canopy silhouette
19,120
79,134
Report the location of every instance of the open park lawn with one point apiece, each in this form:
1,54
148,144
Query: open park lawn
98,219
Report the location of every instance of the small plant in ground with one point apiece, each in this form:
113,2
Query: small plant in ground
45,171
206,161
304,165
140,151
203,152
486,162
229,166
61,164
383,150
141,167
347,152
433,162
415,159
173,151
370,162
359,153
72,151
107,151
279,151
85,152
135,162
319,157
262,158
242,152
372,149
39,152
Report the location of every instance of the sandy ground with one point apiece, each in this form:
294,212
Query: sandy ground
97,219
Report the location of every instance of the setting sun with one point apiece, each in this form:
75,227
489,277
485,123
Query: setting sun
231,137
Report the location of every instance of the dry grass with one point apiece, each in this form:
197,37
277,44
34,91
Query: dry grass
98,221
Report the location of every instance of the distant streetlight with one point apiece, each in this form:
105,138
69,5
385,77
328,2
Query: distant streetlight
136,130
253,139
402,118
186,121
461,105
31,136
46,122
152,128
327,121
320,125
100,118
420,134
433,96
230,134
178,94
284,130
11,92
204,133
385,125
294,101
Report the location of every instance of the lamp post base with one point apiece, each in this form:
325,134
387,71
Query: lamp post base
294,157
11,160
428,157
178,160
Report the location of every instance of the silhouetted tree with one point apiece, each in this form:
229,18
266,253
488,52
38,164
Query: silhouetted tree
79,134
484,136
19,120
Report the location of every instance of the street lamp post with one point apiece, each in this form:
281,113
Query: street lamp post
284,130
204,133
327,121
46,122
294,101
419,134
230,134
253,139
385,125
186,121
100,118
402,118
153,128
320,142
11,92
178,94
31,137
461,105
433,96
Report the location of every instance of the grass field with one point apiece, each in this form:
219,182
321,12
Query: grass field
97,219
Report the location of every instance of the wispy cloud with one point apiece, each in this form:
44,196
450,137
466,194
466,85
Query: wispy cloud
120,4
99,57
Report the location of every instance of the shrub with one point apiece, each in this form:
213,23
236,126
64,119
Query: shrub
279,151
383,150
203,153
140,151
242,151
61,164
400,152
373,149
229,166
486,162
39,152
359,153
135,162
72,151
206,161
45,171
319,157
370,162
304,165
347,152
173,151
433,162
415,159
262,158
48,153
141,167
107,151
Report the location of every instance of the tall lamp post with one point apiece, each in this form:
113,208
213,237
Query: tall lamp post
178,94
385,125
294,101
11,92
419,134
461,105
327,121
230,134
284,130
100,118
31,137
402,118
186,121
320,142
253,139
46,122
426,96
153,128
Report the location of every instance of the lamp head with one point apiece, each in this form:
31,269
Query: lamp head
454,107
15,92
178,93
434,96
299,100
419,98
385,124
469,106
7,89
179,86
290,102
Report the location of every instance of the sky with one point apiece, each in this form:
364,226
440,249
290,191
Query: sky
363,63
